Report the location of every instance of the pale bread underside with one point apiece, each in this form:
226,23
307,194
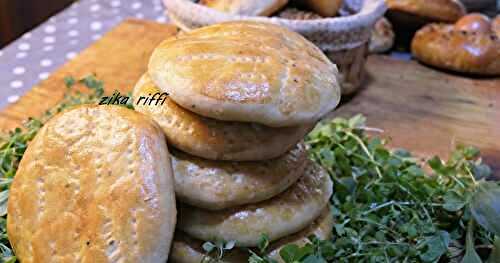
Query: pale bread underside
216,185
189,250
278,217
249,72
212,139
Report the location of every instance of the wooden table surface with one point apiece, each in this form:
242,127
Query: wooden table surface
419,108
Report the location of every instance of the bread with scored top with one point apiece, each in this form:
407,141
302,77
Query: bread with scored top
95,185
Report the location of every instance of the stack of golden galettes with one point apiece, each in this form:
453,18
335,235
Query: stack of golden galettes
242,96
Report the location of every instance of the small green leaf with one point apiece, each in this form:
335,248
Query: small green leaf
263,243
357,121
471,152
229,245
69,81
436,164
471,255
437,246
313,259
481,171
4,196
485,206
208,247
288,253
453,201
495,254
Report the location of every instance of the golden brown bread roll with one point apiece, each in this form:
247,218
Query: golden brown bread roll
382,38
325,8
280,216
416,13
469,46
495,25
95,185
213,139
247,72
186,249
216,185
474,22
245,7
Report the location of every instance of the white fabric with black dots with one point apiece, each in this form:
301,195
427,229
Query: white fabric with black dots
31,58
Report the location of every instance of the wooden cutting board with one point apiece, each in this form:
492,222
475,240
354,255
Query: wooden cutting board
419,108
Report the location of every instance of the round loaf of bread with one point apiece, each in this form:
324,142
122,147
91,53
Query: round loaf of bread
186,249
429,10
213,139
277,217
469,46
95,185
216,185
247,72
495,25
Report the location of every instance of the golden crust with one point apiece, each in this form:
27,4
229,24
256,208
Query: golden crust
248,72
446,47
324,8
474,22
186,249
216,185
431,10
95,185
245,7
213,139
382,38
278,217
495,25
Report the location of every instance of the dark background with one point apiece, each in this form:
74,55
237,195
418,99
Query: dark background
19,16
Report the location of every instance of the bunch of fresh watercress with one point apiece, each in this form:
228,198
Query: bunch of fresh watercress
387,208
14,144
391,207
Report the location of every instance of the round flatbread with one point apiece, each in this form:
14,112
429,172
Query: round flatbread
186,249
278,217
213,139
95,185
216,185
248,72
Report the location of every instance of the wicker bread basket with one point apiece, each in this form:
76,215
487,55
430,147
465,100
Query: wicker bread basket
344,39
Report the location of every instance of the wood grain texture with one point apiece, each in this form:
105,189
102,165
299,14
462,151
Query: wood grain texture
419,108
429,111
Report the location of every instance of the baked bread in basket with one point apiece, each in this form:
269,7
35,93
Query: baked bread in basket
343,39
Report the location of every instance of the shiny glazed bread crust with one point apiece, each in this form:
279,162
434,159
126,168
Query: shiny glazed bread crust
213,139
434,10
216,185
278,217
446,47
247,72
95,185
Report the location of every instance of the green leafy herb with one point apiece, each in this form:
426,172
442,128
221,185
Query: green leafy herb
471,255
218,248
485,206
388,209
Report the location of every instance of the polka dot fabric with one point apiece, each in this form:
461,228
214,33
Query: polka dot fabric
36,54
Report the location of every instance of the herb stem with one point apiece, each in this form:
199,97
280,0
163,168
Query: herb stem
365,149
